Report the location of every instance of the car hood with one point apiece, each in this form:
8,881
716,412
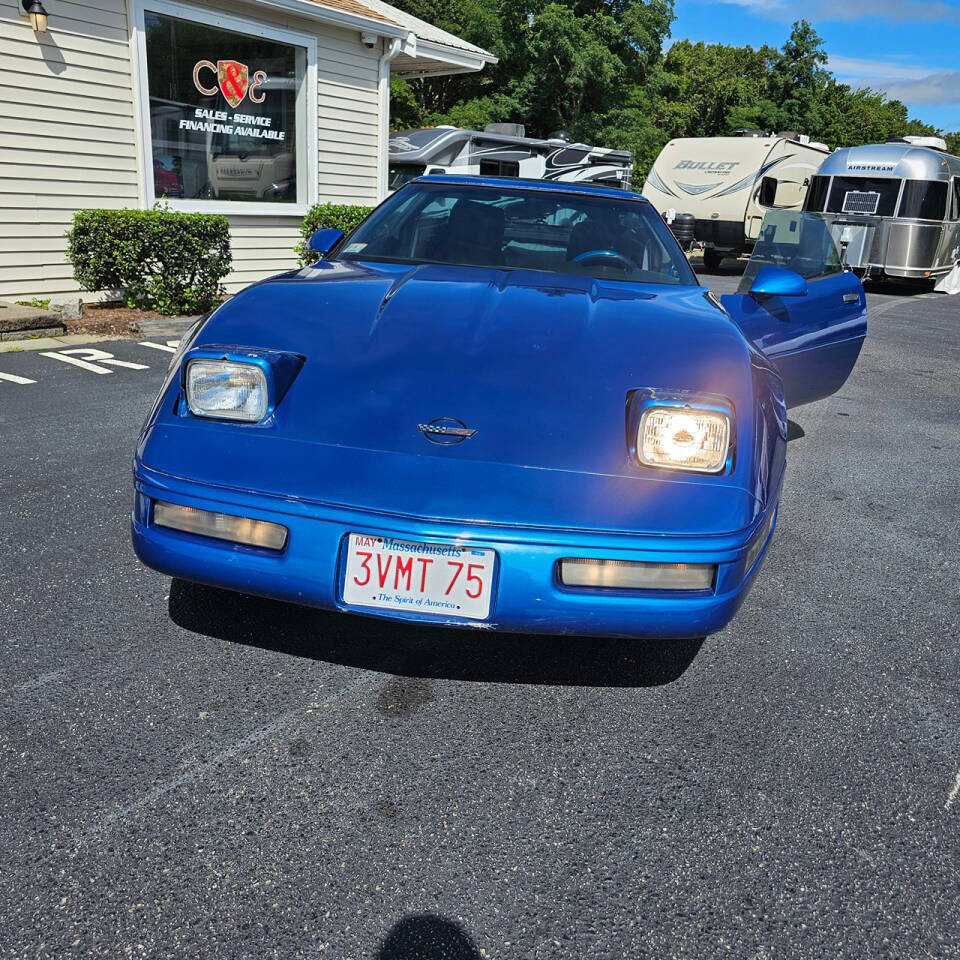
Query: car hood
539,365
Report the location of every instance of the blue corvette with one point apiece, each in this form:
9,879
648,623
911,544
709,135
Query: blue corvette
497,403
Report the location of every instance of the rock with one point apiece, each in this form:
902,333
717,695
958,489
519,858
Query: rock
69,308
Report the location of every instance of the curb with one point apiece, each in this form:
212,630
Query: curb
55,343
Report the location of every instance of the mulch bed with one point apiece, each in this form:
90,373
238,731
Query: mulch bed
110,319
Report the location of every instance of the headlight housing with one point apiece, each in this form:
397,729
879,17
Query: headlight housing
683,437
226,390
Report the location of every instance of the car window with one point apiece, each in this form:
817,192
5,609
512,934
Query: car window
515,228
797,240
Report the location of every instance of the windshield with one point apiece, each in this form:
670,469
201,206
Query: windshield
797,240
873,196
516,228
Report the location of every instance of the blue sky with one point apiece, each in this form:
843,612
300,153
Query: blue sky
909,49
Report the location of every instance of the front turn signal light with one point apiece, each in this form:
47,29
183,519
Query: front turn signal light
220,526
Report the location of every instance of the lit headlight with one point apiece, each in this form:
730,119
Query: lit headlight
684,438
226,389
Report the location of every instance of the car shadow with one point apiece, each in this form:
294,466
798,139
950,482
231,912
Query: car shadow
729,267
794,431
898,288
427,937
426,651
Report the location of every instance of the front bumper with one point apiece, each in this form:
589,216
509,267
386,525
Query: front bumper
527,594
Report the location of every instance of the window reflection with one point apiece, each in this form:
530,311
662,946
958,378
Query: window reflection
224,111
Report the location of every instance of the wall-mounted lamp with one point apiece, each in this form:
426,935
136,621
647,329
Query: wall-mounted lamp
38,16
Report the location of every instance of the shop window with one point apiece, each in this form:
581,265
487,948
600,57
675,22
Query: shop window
227,114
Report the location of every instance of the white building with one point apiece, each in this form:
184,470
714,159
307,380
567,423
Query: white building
256,109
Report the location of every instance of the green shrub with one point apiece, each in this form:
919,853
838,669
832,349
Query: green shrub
161,260
321,216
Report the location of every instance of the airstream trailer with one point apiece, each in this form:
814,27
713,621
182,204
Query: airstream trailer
504,150
893,208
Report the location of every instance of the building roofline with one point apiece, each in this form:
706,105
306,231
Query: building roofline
439,47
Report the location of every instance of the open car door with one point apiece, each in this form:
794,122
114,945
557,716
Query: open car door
800,307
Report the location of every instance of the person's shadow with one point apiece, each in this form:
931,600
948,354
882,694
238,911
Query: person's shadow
427,651
427,937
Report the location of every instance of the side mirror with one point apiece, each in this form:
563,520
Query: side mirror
321,242
773,281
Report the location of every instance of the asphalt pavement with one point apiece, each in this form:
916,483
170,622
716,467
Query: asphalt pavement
188,773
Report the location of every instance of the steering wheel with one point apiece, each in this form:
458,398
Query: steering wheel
605,254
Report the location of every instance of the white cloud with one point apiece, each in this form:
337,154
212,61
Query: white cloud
937,88
849,67
926,11
911,83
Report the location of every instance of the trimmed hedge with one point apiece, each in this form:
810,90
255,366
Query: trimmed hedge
342,216
161,260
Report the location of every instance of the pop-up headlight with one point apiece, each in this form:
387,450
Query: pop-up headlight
683,438
226,389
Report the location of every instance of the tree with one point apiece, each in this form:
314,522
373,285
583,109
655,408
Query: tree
596,68
798,80
850,117
718,88
557,60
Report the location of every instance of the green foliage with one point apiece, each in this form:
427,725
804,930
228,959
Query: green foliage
161,260
38,303
559,62
597,69
321,216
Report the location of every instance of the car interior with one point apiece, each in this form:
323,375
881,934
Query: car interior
566,234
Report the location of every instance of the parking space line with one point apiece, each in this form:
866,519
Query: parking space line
215,762
953,793
92,367
83,356
170,346
14,379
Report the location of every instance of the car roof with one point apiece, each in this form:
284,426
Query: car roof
542,186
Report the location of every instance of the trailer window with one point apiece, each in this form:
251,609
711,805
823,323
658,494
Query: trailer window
499,168
955,215
874,196
401,173
817,194
924,199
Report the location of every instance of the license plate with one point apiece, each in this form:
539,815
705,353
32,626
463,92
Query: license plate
439,579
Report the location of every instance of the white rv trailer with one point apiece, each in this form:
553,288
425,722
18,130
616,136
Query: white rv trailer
503,150
729,183
894,207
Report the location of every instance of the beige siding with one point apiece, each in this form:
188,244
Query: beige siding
68,137
261,246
